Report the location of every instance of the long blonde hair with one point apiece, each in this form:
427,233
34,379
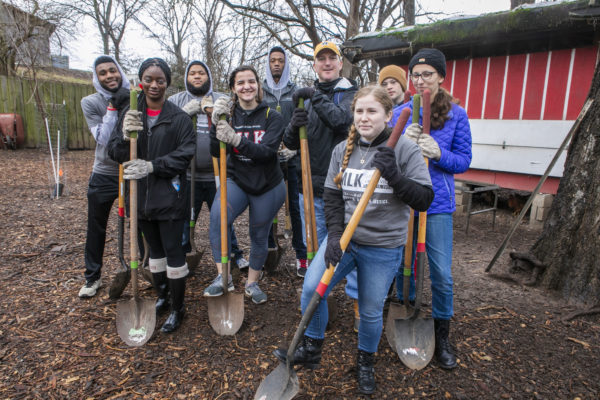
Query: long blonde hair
382,97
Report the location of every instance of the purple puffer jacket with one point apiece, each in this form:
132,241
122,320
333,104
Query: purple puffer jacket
454,140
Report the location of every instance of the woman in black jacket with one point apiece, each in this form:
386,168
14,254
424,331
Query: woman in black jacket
165,146
254,178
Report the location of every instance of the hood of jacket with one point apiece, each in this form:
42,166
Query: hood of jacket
210,80
107,94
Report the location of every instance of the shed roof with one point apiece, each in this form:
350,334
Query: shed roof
529,28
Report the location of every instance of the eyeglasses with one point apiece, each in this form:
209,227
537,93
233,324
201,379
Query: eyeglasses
426,75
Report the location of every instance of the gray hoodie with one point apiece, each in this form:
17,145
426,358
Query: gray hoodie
204,166
102,122
280,93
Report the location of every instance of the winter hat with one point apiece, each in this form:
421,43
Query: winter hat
156,62
395,72
432,57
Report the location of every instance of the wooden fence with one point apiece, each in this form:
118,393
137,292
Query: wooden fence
61,103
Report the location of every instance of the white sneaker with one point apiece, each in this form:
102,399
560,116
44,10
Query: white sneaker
90,288
242,263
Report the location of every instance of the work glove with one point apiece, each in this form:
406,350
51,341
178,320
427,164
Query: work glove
120,99
226,134
385,161
221,107
429,147
137,169
305,93
333,252
286,154
132,123
299,118
207,104
192,107
413,131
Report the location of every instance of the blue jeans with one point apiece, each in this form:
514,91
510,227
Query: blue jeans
263,209
376,267
438,244
319,216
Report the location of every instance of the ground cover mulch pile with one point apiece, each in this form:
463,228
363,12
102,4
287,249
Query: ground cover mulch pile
513,341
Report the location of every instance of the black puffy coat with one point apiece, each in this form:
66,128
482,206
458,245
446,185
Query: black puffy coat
170,145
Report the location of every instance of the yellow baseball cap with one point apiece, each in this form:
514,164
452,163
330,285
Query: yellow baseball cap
327,45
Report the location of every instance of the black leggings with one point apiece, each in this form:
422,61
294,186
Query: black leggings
164,240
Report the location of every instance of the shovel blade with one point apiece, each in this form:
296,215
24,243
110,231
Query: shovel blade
193,259
415,341
226,313
118,284
281,384
136,319
272,261
395,311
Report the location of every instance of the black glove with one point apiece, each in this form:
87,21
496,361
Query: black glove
299,118
120,99
385,161
333,252
303,93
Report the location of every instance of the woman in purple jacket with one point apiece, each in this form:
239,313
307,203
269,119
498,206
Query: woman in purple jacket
448,148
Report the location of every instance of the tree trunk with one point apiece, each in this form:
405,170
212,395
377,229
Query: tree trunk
351,30
569,244
516,3
409,12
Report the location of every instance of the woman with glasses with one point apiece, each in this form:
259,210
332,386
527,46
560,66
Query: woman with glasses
448,149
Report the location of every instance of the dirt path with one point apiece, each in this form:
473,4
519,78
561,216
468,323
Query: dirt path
510,339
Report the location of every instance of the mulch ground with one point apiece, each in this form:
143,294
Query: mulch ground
513,341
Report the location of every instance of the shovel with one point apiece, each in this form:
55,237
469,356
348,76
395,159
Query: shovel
225,312
274,255
136,317
396,310
415,335
123,276
287,233
282,383
193,257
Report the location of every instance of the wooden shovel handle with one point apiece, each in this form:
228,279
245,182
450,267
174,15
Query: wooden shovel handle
133,206
306,189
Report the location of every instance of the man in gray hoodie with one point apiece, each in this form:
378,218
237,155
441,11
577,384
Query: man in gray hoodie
197,100
278,90
101,111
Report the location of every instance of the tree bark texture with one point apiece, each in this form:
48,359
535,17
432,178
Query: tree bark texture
569,244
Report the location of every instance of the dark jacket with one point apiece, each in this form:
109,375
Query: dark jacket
253,165
170,145
329,119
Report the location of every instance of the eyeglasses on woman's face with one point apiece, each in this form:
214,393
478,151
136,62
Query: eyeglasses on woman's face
427,76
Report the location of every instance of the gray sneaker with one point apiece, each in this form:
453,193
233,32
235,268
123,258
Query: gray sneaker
254,292
216,287
90,288
242,263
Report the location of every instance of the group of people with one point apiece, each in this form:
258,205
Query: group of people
347,130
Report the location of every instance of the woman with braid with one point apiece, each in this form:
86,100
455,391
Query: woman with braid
376,247
254,178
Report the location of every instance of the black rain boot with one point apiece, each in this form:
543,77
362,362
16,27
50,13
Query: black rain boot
365,372
443,351
177,289
162,289
307,354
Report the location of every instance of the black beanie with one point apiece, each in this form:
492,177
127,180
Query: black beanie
156,62
102,60
432,57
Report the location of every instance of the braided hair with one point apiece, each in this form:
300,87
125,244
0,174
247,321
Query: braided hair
383,98
156,62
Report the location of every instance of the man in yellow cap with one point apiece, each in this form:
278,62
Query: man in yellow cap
327,117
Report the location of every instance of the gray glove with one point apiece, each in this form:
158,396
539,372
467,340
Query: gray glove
207,104
413,132
226,134
221,107
286,154
137,169
429,147
192,107
132,123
